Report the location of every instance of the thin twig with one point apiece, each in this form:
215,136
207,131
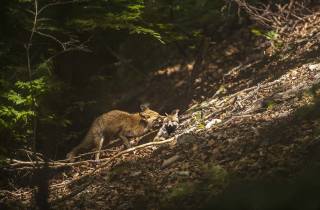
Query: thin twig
106,161
28,48
53,38
26,165
60,3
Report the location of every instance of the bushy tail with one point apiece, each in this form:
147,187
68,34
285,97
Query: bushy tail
86,144
91,140
72,154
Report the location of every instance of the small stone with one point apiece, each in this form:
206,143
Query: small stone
186,138
212,123
314,66
183,173
136,173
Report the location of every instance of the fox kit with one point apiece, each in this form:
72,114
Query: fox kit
116,124
169,125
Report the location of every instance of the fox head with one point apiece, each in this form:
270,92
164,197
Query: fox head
172,118
147,114
171,121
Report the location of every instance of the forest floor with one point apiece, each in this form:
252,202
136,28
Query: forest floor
254,117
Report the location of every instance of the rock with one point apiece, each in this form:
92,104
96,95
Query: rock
313,67
255,131
183,173
212,123
216,153
186,139
170,161
136,173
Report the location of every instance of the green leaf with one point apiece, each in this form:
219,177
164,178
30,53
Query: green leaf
142,30
256,32
271,35
15,97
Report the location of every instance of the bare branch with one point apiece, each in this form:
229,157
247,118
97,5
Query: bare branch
53,38
60,3
275,17
29,44
26,165
28,48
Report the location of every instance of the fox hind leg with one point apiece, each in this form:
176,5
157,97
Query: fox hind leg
99,146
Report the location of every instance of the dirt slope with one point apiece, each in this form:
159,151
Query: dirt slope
265,124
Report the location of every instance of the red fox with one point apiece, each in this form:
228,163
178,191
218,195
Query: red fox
113,124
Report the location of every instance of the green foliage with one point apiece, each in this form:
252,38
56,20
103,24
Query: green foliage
311,111
116,15
197,118
185,20
272,36
270,104
216,174
52,96
141,30
182,190
17,110
214,180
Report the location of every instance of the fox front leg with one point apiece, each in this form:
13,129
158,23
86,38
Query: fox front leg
162,134
125,140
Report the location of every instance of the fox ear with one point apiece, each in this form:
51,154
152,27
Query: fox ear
142,115
144,107
175,112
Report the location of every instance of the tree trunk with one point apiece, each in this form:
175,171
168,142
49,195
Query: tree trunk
198,64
